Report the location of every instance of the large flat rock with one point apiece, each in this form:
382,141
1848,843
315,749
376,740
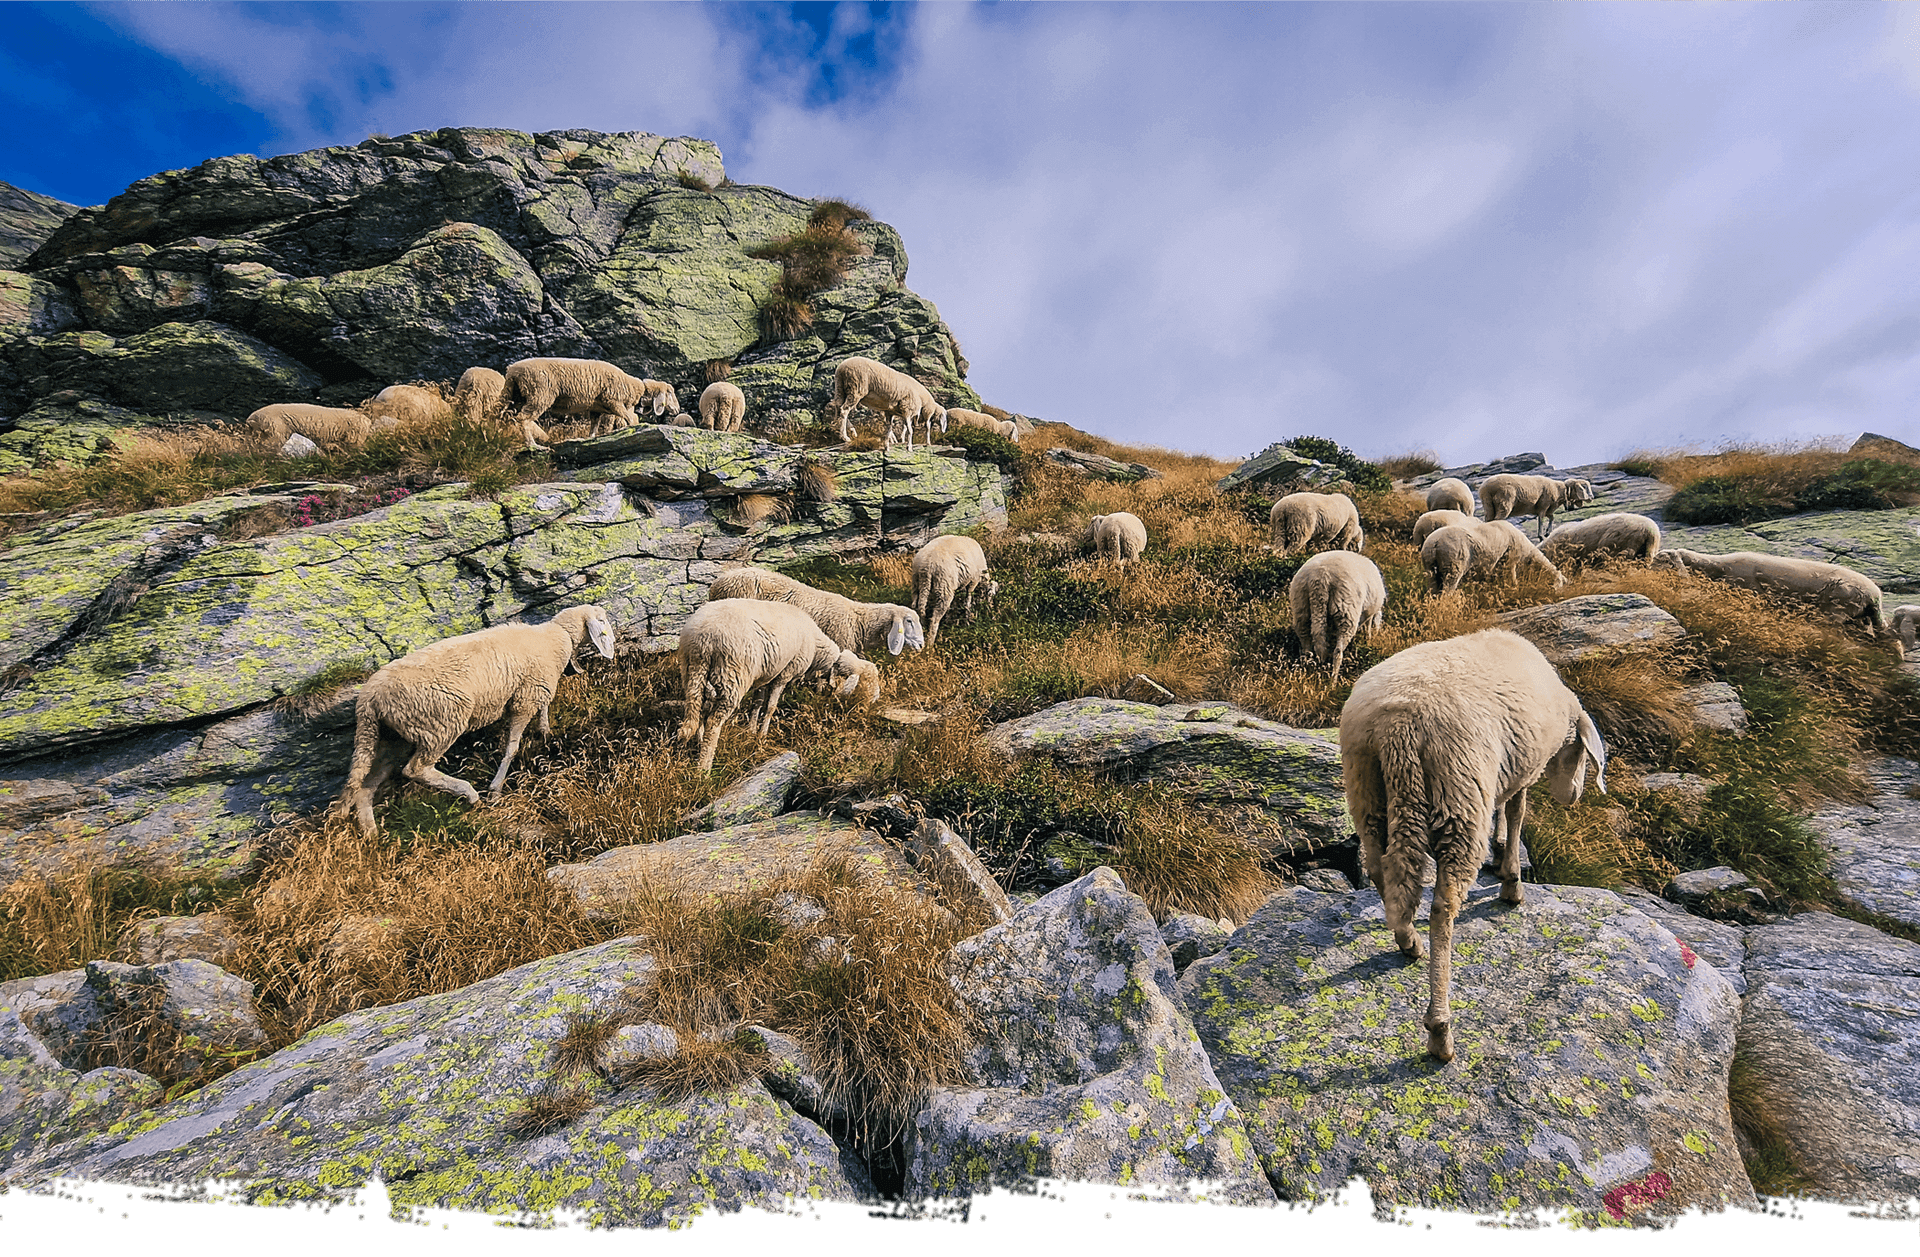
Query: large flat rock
1875,845
1581,628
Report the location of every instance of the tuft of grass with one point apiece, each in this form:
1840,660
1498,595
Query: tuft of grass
785,313
1768,1152
579,1046
718,369
57,919
816,481
758,508
700,1065
811,260
1410,464
834,213
549,1110
984,446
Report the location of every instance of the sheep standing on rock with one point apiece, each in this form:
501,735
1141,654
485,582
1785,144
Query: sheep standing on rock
1839,591
1121,535
723,407
1451,494
1333,595
730,648
1619,534
1302,520
1540,496
894,395
413,709
1425,525
478,395
323,425
1484,549
582,388
852,625
1902,622
942,568
1434,742
976,419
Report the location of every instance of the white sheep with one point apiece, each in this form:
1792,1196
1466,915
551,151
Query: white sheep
898,397
1121,535
978,419
1540,496
581,388
1433,743
323,425
1618,533
1840,591
943,568
1333,595
478,395
406,403
1902,622
1299,520
852,625
1450,494
730,648
413,709
723,407
1489,549
1424,526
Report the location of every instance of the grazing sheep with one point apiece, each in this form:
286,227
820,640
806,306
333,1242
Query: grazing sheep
1489,549
1619,533
1299,520
583,388
852,625
1433,743
1450,494
413,709
479,394
406,403
1424,526
729,649
892,394
942,568
1540,496
323,425
1902,623
723,407
1120,534
976,419
1840,591
1333,595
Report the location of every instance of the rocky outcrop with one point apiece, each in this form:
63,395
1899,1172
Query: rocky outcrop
1874,845
1278,467
761,795
26,220
1100,467
1592,625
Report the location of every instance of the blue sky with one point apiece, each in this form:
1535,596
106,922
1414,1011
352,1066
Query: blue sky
1475,228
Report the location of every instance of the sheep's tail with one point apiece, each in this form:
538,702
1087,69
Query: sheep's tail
1404,775
693,681
1318,598
355,798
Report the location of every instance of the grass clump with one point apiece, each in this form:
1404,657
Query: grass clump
60,918
1363,474
1745,483
1412,463
811,260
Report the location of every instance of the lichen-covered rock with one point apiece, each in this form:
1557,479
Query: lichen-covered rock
1214,750
211,1009
1581,628
1830,1036
425,1094
1592,1062
1087,1067
1189,938
966,885
1279,467
56,1011
26,220
1715,706
1874,846
43,1105
761,795
1720,944
198,366
1100,467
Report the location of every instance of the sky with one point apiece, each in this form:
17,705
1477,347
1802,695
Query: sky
1475,229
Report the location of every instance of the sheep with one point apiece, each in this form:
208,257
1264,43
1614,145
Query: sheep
1333,595
1450,494
1299,520
423,701
977,419
1507,494
1902,622
723,407
1424,526
1616,533
323,425
1120,534
942,568
406,403
892,394
1437,747
581,387
479,393
732,647
1839,591
1483,548
852,625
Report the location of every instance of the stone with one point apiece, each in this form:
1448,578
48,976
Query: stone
1700,883
1100,467
1831,1040
646,1041
1214,751
425,1096
1329,881
1722,945
760,795
789,1074
1087,1067
210,1008
26,220
797,911
1278,467
1592,625
1189,937
43,1105
1872,443
1874,846
1715,706
1591,1066
208,936
298,446
58,1011
945,859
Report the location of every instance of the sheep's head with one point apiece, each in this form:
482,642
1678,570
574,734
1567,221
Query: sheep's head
1579,492
859,674
1567,770
991,588
1674,559
905,631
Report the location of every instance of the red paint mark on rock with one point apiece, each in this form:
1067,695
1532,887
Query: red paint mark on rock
1654,1186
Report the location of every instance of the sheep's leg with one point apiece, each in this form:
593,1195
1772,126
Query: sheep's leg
710,733
774,691
516,729
421,768
933,623
1449,892
1513,816
388,755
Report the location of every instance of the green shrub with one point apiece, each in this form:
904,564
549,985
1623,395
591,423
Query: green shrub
1724,500
1363,474
984,446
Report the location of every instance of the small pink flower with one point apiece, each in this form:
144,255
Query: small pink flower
1686,953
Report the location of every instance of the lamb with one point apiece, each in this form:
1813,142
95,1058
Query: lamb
1120,534
977,419
582,387
406,403
1839,591
1333,595
479,394
892,394
1450,494
422,702
723,407
1424,526
1301,519
323,425
732,647
1433,743
1619,533
1507,494
1496,548
851,625
942,568
1902,622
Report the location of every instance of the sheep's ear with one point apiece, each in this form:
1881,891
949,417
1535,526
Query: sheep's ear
897,635
659,404
1590,742
602,634
849,685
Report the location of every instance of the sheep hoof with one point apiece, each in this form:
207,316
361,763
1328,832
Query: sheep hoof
1511,892
1412,948
1440,1041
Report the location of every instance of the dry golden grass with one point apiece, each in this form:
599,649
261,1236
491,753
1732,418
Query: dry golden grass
1412,463
57,920
1783,465
549,1110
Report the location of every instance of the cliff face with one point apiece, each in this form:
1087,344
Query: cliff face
201,294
